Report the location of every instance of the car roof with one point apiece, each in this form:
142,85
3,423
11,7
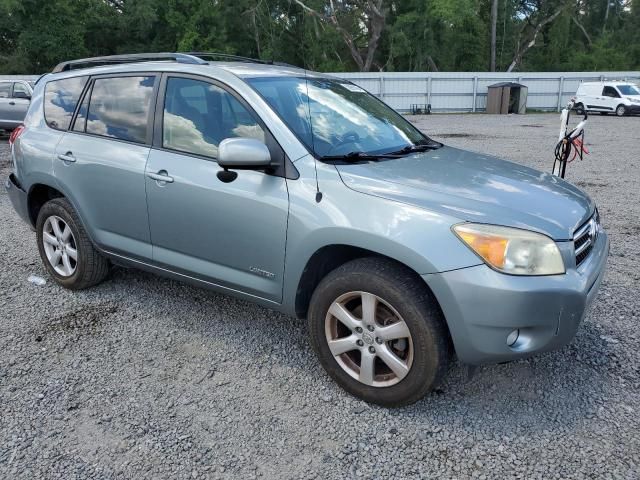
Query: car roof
606,82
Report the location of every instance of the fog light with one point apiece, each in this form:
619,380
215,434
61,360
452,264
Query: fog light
512,338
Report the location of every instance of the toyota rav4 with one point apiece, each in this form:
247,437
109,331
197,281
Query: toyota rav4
304,193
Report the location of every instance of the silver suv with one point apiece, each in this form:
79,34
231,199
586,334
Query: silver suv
15,96
306,194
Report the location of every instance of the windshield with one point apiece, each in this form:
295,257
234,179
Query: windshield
334,117
628,90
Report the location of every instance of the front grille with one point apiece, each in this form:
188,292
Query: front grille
584,239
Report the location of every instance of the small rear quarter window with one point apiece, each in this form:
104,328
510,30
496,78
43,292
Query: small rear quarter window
60,99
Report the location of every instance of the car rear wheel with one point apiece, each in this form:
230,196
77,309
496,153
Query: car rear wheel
379,332
621,111
579,108
65,248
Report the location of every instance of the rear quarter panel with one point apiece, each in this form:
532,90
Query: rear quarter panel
33,152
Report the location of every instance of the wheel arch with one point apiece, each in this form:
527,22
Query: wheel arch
39,194
329,257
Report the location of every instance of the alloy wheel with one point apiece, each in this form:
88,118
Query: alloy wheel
369,339
60,246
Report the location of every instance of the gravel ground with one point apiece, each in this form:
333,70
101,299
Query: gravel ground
144,377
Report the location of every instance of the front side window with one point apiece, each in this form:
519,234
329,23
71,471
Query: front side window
20,88
119,108
610,92
628,90
199,115
60,99
334,117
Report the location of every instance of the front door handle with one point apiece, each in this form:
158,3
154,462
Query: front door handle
12,103
161,176
67,157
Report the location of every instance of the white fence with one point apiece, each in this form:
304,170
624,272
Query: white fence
467,91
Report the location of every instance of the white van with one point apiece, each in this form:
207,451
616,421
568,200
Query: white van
608,97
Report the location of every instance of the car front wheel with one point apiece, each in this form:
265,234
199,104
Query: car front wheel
621,110
379,332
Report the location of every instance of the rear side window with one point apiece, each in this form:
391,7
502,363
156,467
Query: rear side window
80,123
5,89
119,108
60,99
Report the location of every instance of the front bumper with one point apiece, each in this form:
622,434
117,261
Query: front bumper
482,307
18,197
633,109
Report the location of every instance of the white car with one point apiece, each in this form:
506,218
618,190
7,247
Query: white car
608,97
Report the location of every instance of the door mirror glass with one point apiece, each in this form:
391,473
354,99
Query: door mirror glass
243,154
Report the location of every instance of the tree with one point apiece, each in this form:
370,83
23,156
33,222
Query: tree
332,35
537,14
354,20
494,27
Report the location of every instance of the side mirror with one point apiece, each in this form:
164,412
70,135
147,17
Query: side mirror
241,154
24,95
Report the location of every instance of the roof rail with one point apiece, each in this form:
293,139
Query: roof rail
227,56
129,58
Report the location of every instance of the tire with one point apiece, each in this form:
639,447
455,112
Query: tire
401,297
88,268
621,111
579,108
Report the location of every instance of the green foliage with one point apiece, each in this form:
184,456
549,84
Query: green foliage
419,35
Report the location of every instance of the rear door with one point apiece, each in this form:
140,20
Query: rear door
101,161
230,234
591,97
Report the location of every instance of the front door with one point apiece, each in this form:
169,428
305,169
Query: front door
20,103
230,234
610,99
7,106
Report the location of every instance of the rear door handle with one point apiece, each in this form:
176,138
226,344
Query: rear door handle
161,176
67,157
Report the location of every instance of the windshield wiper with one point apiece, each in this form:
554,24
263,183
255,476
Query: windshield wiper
362,156
417,148
358,156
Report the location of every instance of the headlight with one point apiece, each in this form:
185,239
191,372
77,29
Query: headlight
512,250
634,100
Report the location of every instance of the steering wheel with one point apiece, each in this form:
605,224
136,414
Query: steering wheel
349,137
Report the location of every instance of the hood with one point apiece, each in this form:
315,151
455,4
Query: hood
475,188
